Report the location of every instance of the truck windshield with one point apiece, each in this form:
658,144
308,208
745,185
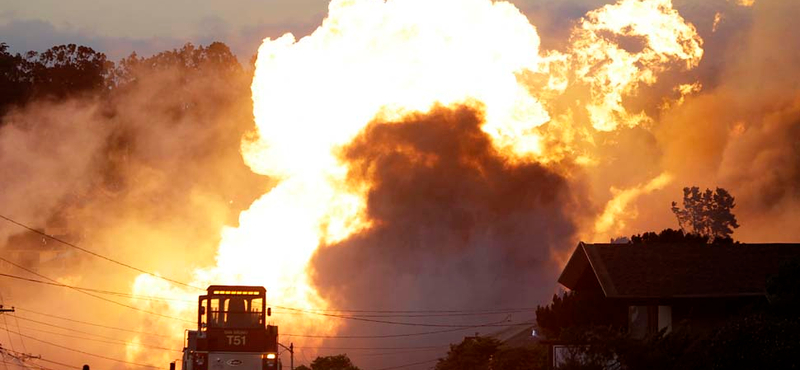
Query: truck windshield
236,312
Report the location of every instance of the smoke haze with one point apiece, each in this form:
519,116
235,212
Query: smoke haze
151,173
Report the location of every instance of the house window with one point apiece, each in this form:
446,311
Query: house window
644,320
665,318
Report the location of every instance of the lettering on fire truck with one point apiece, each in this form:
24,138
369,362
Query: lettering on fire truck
236,337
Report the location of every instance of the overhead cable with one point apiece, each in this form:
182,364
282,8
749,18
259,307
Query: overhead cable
98,255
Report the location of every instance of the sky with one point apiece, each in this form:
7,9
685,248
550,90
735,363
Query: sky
119,27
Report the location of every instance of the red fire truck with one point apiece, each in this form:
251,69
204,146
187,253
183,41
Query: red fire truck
232,331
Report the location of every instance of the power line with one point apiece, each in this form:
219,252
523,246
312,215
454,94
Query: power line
105,340
423,315
3,357
408,365
375,348
85,323
496,310
89,353
10,342
365,318
60,363
406,334
94,295
22,357
408,315
109,292
355,355
98,255
66,328
24,349
372,313
20,363
356,318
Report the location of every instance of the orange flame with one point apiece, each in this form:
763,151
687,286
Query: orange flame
376,58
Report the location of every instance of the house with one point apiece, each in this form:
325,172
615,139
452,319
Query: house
661,285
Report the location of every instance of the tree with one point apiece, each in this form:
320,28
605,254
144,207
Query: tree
483,353
580,311
15,84
670,236
338,362
66,70
186,62
783,289
473,353
706,213
522,358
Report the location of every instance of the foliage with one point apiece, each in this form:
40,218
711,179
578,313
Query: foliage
484,353
783,289
473,353
579,310
338,362
520,358
215,58
761,336
706,213
758,341
14,82
670,236
606,348
57,73
66,70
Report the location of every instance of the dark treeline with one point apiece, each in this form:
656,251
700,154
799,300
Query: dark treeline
71,70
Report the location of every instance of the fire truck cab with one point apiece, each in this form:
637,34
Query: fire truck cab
232,331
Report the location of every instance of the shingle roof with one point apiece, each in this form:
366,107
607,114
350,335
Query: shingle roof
677,271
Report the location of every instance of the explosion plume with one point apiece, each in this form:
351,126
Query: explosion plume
434,147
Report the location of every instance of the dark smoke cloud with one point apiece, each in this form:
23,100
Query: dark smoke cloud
455,224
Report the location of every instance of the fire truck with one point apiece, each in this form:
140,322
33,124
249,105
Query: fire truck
232,331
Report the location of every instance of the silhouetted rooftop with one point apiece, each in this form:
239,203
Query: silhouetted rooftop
675,270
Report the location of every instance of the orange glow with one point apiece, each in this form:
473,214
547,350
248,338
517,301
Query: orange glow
613,72
616,212
376,58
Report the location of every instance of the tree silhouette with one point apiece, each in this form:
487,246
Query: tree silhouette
706,213
15,83
579,311
66,70
338,362
474,353
484,353
215,58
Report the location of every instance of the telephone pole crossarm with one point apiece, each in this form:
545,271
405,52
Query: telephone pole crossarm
4,310
291,352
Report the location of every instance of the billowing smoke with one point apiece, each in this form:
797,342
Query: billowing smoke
740,131
465,206
455,223
146,172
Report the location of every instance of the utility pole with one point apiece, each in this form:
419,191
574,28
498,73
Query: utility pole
291,352
18,355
